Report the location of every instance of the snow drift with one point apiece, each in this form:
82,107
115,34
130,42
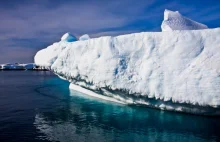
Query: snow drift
175,21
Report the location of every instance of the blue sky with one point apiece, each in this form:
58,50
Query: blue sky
27,26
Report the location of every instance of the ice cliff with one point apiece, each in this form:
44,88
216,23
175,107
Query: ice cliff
175,21
174,70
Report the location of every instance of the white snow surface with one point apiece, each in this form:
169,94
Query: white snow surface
84,37
175,21
177,66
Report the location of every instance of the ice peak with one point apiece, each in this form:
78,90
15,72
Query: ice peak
68,37
173,20
168,13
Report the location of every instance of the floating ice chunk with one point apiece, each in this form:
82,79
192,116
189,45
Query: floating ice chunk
84,37
175,21
68,37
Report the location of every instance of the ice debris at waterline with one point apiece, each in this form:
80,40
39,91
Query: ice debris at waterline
176,70
175,21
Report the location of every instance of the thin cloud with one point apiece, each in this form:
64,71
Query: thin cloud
28,21
33,25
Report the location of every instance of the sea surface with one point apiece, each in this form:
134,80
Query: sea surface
38,106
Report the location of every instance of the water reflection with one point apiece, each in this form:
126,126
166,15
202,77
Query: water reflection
82,118
38,106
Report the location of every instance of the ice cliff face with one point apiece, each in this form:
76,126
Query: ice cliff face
175,21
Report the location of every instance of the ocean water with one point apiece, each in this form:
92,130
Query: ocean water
37,106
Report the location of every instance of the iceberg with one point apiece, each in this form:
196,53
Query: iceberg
175,21
176,70
84,37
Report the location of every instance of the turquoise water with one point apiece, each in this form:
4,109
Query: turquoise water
38,106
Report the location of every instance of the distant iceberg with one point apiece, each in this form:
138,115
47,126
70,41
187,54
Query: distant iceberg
17,66
29,66
175,21
176,70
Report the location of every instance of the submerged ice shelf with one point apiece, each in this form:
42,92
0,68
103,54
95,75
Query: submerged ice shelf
175,70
